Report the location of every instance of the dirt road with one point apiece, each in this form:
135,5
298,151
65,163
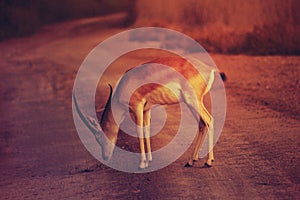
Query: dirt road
42,157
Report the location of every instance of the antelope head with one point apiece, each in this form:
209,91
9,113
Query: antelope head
107,136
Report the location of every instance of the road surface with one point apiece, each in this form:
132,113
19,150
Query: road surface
42,157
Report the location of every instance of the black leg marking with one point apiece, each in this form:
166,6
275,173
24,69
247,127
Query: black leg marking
188,164
207,165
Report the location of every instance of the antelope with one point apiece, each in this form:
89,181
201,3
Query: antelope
149,95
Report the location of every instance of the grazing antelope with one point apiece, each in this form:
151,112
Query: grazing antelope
150,95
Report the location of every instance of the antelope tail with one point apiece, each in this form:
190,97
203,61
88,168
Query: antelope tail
223,76
211,79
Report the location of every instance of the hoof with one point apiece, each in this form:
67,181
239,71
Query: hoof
190,163
149,157
207,165
143,165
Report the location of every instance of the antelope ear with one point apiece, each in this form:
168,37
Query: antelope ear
93,124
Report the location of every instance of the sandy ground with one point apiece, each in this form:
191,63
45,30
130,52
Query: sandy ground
42,157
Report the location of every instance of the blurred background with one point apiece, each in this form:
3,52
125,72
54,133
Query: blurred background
232,26
22,17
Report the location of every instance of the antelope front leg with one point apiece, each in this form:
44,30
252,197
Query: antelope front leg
147,134
139,120
144,162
